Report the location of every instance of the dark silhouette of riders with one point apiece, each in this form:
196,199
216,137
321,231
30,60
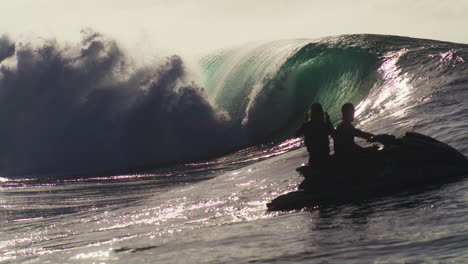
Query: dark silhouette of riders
317,128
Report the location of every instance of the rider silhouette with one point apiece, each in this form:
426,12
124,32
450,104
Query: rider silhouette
316,130
345,147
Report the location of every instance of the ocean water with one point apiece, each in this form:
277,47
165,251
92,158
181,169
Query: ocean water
103,161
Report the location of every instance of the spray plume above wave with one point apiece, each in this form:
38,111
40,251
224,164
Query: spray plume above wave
89,108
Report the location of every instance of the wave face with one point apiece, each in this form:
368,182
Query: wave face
87,107
389,78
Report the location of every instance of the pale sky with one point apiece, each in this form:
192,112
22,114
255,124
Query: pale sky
203,25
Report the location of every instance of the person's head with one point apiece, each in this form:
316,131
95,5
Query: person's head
316,111
347,111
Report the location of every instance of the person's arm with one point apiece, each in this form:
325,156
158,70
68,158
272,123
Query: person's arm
301,131
330,129
362,134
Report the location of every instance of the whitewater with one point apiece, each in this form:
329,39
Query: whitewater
103,160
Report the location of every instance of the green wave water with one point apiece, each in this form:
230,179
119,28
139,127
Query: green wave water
268,87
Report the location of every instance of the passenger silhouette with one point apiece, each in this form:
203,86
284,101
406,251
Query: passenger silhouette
345,147
316,130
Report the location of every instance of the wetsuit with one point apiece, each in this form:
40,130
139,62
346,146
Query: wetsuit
344,140
316,139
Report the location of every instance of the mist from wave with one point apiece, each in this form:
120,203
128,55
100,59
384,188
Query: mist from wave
89,107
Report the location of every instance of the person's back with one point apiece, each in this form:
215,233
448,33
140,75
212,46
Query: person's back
344,144
344,139
316,138
316,133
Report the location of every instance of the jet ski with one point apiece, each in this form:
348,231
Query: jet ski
411,161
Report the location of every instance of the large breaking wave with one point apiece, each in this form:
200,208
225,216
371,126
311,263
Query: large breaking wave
268,87
87,107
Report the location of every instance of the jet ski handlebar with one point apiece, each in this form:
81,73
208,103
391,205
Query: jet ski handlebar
384,139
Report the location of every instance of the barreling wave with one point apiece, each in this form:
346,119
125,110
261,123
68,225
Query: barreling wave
88,107
269,87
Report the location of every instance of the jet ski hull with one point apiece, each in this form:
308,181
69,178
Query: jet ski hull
412,161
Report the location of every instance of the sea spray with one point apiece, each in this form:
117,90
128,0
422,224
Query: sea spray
87,108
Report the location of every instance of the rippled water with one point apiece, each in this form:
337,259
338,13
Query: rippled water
214,213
